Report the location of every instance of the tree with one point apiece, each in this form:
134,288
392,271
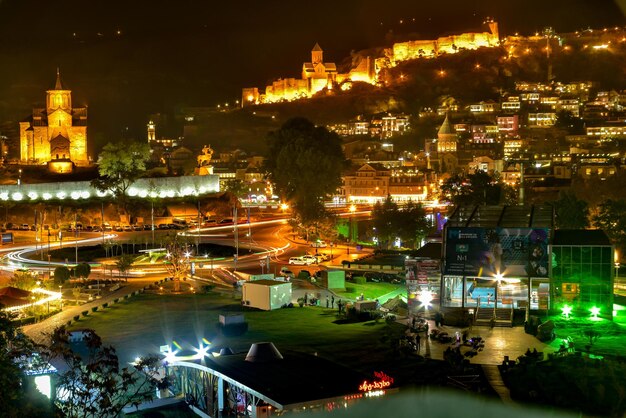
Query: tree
382,217
17,398
304,162
571,212
409,224
412,225
61,275
124,264
93,384
23,279
611,217
479,188
177,261
119,165
82,270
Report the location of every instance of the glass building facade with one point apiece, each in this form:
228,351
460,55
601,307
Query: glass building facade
512,257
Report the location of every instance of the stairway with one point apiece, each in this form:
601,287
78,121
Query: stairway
504,317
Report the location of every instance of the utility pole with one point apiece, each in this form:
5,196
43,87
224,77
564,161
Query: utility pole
76,236
236,230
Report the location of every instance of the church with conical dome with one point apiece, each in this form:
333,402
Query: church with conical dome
56,135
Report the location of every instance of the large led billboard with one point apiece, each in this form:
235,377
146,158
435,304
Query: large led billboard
485,252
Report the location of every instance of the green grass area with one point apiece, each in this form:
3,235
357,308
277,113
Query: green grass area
611,340
142,324
372,290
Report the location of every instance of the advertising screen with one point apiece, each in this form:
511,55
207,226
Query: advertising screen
512,252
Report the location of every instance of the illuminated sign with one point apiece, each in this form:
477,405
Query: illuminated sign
383,381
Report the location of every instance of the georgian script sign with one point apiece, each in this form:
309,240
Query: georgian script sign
382,381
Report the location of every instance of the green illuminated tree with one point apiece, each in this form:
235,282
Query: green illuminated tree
119,165
304,162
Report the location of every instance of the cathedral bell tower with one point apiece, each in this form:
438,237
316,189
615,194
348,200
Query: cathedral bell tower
317,54
58,98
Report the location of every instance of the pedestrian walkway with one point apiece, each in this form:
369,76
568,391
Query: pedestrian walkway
493,376
38,332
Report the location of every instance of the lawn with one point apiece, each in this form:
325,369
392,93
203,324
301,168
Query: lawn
372,290
142,324
611,340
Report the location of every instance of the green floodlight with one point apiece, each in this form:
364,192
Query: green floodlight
567,310
594,312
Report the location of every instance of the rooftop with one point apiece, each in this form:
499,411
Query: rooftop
532,216
584,237
285,381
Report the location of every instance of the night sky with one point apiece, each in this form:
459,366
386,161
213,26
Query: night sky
185,52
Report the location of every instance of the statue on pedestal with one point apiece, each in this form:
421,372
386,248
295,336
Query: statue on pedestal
204,160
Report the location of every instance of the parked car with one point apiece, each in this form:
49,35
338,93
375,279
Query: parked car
148,227
118,228
297,261
164,226
24,227
209,222
321,257
127,228
96,228
107,227
309,259
226,221
137,228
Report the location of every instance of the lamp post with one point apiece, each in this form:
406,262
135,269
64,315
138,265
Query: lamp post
352,210
61,292
499,277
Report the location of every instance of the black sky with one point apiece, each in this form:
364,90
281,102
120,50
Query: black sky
203,51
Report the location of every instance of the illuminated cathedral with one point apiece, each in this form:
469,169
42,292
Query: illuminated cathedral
56,135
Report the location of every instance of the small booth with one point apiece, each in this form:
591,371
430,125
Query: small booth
266,294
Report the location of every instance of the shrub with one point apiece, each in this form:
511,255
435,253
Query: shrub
85,313
94,309
76,317
105,305
68,323
360,279
116,300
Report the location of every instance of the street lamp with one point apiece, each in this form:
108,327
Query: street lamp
499,277
61,292
352,209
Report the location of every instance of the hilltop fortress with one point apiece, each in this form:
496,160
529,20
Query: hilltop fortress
404,51
317,74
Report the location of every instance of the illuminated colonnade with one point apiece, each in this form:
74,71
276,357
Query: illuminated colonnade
162,187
